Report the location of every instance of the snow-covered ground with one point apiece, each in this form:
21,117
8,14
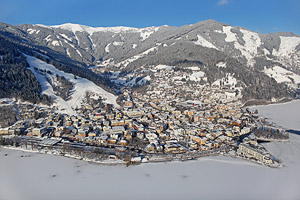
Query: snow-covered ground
32,176
81,86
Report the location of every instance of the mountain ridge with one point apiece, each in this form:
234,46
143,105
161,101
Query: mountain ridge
205,44
138,28
96,52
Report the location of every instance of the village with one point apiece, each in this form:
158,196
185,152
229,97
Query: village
168,119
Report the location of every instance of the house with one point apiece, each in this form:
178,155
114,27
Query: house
136,160
174,148
82,133
110,116
236,123
117,122
245,130
102,139
140,135
123,142
150,148
193,144
92,134
39,131
199,140
58,133
111,141
128,104
3,131
118,129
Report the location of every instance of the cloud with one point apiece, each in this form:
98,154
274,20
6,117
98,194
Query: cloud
222,2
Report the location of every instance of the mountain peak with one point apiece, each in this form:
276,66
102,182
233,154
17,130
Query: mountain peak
90,30
72,27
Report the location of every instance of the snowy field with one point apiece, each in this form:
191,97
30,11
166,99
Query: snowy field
32,176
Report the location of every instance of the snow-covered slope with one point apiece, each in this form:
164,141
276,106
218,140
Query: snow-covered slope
287,45
282,75
144,32
136,57
90,30
288,53
203,42
251,42
81,86
128,43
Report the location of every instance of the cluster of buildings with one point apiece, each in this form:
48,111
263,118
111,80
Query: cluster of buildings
172,116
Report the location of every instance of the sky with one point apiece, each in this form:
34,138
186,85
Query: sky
264,16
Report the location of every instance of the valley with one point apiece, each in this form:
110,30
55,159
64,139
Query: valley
131,95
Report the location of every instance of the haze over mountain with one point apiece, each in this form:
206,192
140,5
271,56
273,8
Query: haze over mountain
266,66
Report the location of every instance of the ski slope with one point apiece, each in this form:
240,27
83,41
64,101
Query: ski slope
81,86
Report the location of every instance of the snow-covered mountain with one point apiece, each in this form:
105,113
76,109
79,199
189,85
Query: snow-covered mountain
122,46
259,62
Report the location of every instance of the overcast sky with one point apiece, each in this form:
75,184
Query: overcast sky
258,15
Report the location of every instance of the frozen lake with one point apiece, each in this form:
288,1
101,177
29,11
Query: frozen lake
32,176
286,115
